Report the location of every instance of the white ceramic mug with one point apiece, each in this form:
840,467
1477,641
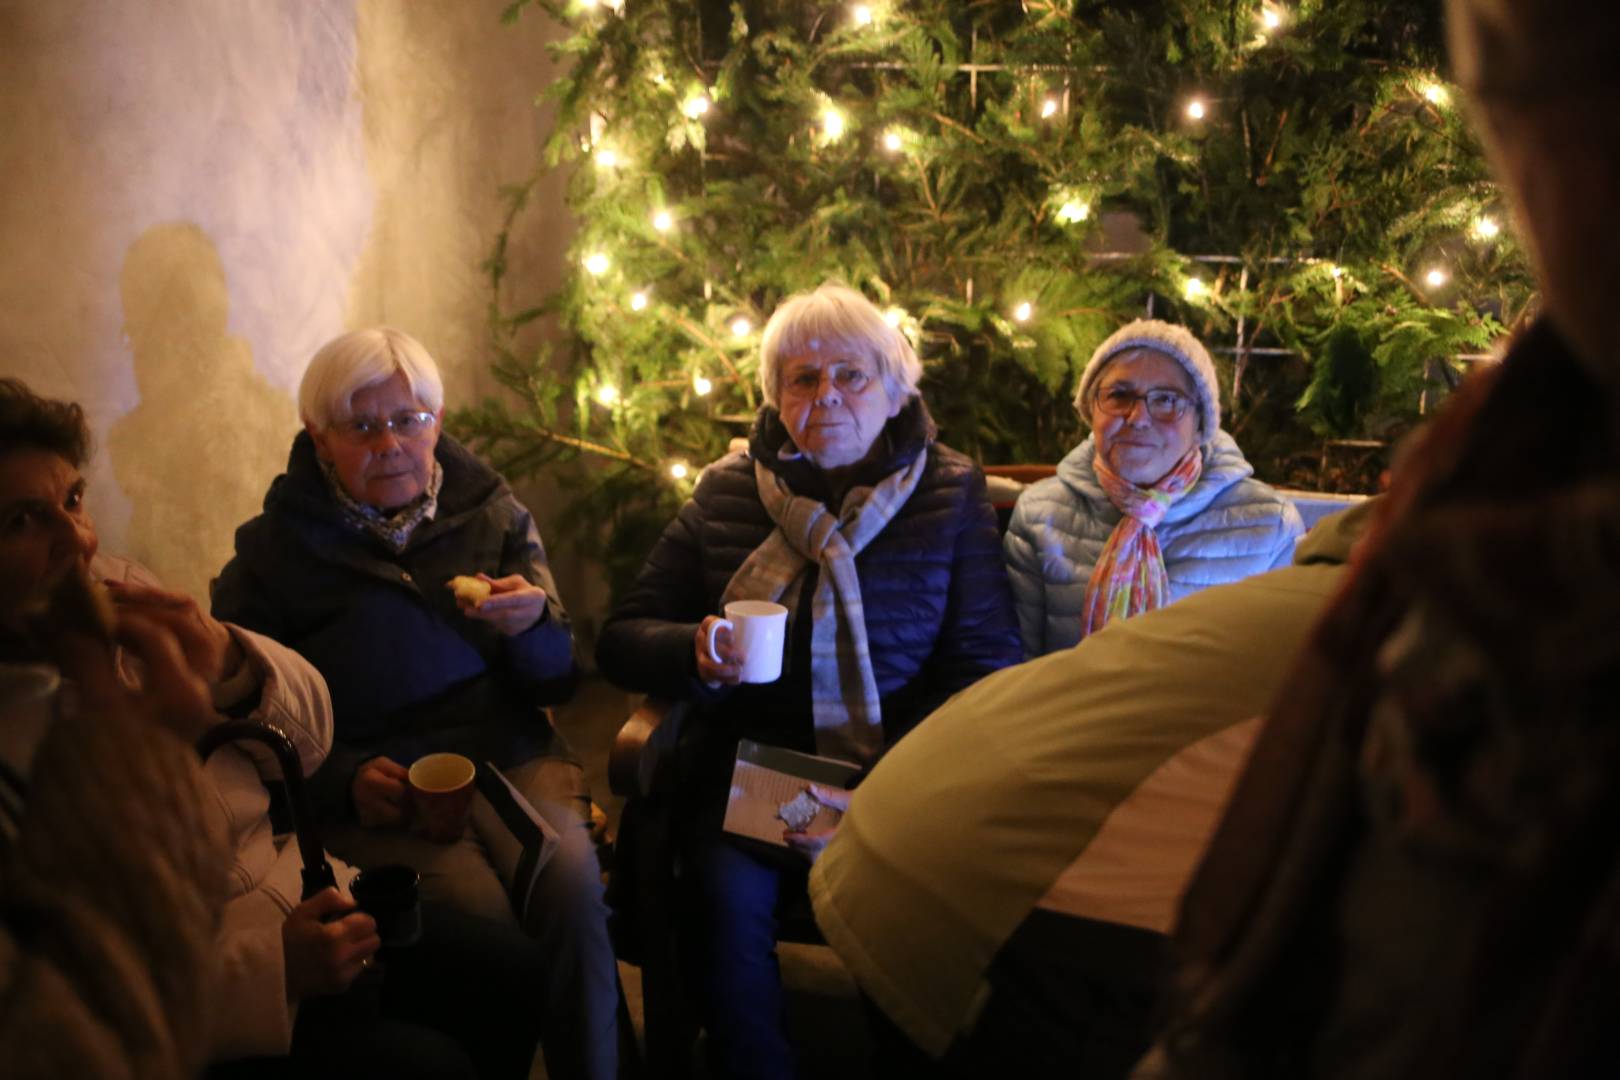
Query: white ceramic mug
758,630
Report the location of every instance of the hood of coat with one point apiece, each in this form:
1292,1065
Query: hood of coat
899,443
1224,465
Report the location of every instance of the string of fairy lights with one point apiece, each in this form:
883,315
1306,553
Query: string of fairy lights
1069,207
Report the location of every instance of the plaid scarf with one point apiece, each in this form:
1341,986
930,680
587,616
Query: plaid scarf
1129,577
843,691
395,529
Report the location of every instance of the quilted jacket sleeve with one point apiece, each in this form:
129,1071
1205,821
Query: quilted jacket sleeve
1024,572
542,657
646,643
980,631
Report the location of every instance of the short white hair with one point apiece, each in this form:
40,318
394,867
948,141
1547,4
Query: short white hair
359,359
831,316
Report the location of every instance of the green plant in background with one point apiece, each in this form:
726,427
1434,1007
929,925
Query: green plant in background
1009,181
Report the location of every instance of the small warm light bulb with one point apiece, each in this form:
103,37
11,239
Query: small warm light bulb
1486,228
740,326
638,301
1023,311
663,221
678,470
892,141
607,394
701,385
597,263
1270,18
894,316
862,14
1194,288
1435,94
832,123
1436,277
1196,109
695,106
1073,211
1049,108
607,158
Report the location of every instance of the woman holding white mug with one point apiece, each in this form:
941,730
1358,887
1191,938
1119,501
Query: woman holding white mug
880,546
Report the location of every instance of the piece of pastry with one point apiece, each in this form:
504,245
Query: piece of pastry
76,603
470,591
799,812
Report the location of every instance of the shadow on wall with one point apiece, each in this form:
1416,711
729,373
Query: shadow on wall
196,455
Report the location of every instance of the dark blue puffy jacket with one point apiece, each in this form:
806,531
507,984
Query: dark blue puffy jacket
939,611
409,674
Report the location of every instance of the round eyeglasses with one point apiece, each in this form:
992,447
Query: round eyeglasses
1165,406
409,424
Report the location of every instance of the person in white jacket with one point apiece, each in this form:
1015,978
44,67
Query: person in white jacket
285,970
1156,504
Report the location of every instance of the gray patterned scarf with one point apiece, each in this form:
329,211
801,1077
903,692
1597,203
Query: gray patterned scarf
843,691
395,529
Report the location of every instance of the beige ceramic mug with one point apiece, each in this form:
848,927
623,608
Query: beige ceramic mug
441,795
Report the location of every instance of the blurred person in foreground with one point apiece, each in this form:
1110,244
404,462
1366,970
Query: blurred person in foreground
112,870
1419,871
1156,504
882,543
278,969
1001,891
350,564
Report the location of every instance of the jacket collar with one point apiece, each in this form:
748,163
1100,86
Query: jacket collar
469,485
905,436
1224,465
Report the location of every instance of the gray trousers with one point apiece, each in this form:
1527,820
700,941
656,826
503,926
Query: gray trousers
566,914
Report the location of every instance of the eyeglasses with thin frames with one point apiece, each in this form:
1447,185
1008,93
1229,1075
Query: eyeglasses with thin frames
846,378
1165,406
407,424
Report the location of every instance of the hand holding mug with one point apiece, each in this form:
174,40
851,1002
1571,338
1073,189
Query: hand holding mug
722,665
325,943
379,793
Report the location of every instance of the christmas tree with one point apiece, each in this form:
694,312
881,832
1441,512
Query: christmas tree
1009,182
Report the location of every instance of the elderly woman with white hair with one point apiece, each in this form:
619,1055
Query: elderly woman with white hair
1156,504
882,543
350,564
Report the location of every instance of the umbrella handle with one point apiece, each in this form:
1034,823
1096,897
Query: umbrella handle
317,872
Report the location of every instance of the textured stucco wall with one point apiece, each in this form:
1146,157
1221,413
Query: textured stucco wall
194,195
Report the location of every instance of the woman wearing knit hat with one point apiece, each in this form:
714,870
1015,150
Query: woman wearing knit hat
1158,503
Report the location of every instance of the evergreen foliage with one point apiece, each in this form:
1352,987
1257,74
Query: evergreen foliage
956,159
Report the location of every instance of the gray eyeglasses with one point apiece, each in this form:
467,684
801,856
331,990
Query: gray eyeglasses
1165,406
409,424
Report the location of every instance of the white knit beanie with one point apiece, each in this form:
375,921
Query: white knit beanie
1173,341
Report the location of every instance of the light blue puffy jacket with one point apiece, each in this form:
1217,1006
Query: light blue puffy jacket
1227,527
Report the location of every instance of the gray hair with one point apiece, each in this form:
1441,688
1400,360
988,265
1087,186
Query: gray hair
359,359
836,315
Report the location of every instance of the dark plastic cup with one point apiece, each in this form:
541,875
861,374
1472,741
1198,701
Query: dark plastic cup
392,896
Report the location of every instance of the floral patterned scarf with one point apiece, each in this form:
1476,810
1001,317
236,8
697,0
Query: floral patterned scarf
1129,577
